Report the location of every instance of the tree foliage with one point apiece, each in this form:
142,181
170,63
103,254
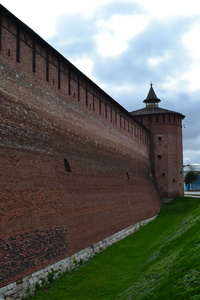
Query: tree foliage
190,177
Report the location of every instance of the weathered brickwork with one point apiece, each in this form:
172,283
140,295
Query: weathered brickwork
74,164
18,289
40,246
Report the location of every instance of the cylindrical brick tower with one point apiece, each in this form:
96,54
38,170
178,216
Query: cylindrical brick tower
166,152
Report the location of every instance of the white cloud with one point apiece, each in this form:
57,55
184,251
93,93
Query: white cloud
154,61
42,16
85,65
120,89
191,41
192,77
113,34
191,157
164,9
192,44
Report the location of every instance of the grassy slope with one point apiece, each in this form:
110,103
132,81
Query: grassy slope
161,261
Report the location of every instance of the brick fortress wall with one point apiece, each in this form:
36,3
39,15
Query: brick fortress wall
74,164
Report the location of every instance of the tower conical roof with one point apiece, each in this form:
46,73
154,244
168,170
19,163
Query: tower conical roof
152,106
151,100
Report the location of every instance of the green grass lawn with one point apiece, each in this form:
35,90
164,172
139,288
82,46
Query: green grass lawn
160,261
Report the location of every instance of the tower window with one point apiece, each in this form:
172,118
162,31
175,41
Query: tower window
160,138
163,174
159,156
157,118
173,179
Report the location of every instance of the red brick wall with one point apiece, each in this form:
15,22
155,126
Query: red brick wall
48,213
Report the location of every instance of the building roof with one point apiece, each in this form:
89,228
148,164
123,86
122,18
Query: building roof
153,110
152,106
193,167
151,97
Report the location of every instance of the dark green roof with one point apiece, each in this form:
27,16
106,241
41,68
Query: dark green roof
151,97
152,106
154,110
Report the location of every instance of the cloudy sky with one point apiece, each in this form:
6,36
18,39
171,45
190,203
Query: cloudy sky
123,45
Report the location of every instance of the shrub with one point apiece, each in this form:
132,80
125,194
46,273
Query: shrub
51,277
190,177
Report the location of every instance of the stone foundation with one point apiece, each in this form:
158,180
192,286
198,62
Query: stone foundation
21,288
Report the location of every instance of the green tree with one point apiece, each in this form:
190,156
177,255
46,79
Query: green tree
190,177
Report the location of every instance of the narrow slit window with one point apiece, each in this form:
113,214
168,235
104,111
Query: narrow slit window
156,118
78,87
58,74
86,95
159,156
67,166
34,56
93,103
18,45
163,117
105,108
47,66
100,105
69,82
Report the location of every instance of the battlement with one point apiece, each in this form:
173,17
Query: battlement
38,62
